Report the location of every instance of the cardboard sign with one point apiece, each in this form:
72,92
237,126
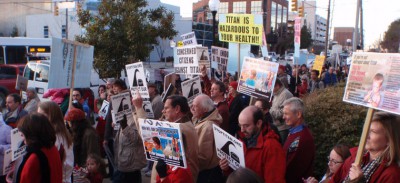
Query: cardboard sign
220,55
191,89
189,59
374,82
104,109
17,144
170,91
62,57
163,140
189,39
229,147
318,63
240,28
169,79
122,108
137,82
257,77
7,162
22,83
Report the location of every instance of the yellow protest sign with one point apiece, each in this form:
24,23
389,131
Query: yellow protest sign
318,63
180,44
240,28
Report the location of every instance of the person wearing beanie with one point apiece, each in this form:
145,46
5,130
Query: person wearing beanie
236,105
84,136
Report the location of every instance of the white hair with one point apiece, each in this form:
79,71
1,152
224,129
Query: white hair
206,102
296,105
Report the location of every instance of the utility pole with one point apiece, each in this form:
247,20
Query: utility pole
355,33
327,30
361,25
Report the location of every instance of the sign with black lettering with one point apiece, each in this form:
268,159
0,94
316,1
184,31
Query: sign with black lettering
17,144
7,163
229,147
122,108
240,28
163,140
186,60
220,56
189,39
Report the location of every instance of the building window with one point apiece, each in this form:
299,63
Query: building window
239,7
273,16
279,15
284,15
46,31
256,7
223,8
63,32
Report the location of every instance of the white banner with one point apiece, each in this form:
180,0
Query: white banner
186,60
229,147
17,144
163,140
62,58
189,39
191,89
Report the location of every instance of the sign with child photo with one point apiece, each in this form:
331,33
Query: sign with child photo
374,81
257,77
163,140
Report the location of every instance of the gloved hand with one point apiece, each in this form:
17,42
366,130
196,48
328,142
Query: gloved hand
123,122
161,168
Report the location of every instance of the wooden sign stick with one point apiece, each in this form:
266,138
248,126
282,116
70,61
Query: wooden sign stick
364,135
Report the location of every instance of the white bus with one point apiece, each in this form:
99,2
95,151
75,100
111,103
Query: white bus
20,50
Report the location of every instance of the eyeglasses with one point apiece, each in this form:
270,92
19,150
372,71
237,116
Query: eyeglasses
76,95
333,161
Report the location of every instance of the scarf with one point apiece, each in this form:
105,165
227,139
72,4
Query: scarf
368,168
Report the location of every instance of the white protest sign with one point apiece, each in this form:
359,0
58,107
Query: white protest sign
104,109
229,147
122,107
220,55
7,162
189,39
191,89
137,82
257,77
186,60
163,140
17,144
202,54
374,82
62,57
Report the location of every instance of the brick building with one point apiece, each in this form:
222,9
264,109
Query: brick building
341,34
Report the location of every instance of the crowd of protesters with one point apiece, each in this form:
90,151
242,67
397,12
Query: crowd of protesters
278,144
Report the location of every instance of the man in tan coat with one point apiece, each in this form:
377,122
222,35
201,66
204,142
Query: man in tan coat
204,116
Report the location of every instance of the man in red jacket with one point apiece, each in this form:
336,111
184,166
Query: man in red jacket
299,145
262,150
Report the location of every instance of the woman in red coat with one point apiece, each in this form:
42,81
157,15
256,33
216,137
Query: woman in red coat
380,162
42,162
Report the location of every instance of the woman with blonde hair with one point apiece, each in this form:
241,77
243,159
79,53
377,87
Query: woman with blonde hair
63,137
381,160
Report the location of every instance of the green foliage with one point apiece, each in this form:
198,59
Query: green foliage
392,37
332,121
124,32
305,38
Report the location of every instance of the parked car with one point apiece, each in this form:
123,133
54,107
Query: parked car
273,57
8,78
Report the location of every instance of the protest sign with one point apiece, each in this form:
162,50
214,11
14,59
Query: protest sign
240,28
170,91
122,108
204,60
189,39
220,55
22,83
62,62
191,89
229,147
186,60
163,140
318,63
7,162
104,109
17,144
297,32
137,82
257,77
374,82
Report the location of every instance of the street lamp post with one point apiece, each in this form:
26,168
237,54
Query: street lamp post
213,5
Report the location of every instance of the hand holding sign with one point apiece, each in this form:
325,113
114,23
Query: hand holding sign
203,70
137,101
224,164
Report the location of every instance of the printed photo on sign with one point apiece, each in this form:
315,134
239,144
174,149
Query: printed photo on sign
104,109
148,109
122,108
191,89
186,60
189,39
163,140
257,77
17,144
203,57
373,81
229,147
7,163
137,80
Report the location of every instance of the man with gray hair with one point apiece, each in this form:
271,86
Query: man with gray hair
204,116
31,105
299,146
